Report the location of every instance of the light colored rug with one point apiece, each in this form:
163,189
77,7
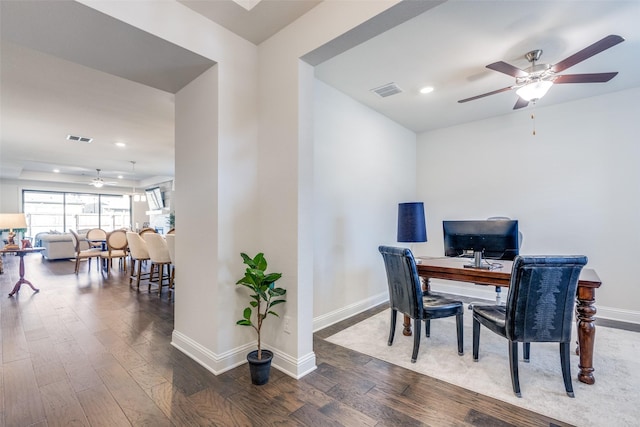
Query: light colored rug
614,400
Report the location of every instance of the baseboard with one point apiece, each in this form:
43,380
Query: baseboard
219,363
295,368
617,314
343,313
215,363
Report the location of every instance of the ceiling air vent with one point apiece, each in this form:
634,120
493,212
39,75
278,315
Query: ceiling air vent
79,139
387,90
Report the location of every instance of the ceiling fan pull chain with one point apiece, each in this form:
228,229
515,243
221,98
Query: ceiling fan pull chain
533,117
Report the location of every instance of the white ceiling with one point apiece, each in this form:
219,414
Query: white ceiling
449,46
46,94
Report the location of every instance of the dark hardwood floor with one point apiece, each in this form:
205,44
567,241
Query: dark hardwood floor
88,350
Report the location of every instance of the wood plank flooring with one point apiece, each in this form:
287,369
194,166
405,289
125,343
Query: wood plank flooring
89,351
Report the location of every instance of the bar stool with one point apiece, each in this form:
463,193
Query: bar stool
139,253
159,255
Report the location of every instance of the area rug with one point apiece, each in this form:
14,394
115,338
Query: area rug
614,399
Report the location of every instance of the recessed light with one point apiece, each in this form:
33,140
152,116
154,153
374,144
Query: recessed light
121,144
119,176
426,89
56,171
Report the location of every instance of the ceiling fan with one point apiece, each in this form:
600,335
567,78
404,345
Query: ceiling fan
98,182
534,82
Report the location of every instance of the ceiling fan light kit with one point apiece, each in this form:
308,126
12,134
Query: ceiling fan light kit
534,91
534,82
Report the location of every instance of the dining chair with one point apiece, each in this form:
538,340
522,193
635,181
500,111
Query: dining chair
147,230
116,249
171,246
159,256
406,296
138,252
539,308
95,237
82,253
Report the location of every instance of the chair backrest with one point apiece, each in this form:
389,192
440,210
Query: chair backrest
137,246
541,298
172,231
157,246
147,230
171,246
405,290
75,239
117,240
96,234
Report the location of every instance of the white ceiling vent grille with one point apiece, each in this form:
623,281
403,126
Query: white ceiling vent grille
79,139
387,90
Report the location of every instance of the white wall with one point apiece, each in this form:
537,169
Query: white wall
364,165
259,176
574,187
216,180
285,175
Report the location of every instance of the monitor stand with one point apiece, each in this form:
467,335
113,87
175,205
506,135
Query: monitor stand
477,262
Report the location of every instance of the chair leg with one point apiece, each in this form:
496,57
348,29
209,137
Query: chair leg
133,272
526,349
459,332
77,264
513,365
138,275
151,275
160,277
476,339
392,330
427,328
416,339
566,367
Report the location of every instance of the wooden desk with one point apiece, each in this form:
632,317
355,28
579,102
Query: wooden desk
21,253
453,269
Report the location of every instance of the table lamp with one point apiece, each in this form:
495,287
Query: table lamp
411,223
10,221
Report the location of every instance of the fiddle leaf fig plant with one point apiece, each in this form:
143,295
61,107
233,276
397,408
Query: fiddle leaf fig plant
264,294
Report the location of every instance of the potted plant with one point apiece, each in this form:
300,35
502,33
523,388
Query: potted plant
264,295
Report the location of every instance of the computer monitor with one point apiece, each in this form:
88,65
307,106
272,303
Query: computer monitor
486,239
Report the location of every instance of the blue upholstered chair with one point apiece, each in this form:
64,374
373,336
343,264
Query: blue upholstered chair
406,296
539,308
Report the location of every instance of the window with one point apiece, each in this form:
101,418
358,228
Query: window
59,211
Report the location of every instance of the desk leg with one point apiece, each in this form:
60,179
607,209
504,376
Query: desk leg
406,331
22,280
585,316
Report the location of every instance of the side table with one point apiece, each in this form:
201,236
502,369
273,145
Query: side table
21,253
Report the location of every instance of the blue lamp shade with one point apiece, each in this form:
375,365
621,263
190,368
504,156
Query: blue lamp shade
411,223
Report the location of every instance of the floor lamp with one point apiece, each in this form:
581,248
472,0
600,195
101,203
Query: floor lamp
412,226
11,221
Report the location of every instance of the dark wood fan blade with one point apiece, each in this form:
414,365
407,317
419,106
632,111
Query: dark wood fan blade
504,89
520,103
604,44
585,78
503,67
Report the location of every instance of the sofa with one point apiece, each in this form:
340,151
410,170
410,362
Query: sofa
59,245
